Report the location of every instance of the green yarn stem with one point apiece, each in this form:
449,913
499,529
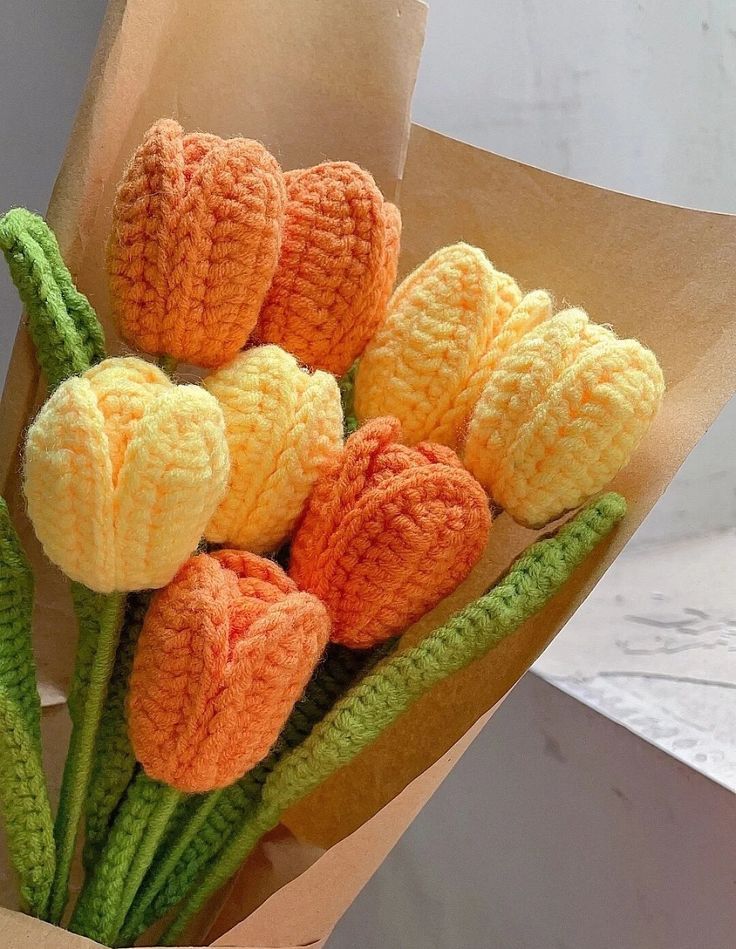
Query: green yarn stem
63,326
138,829
396,683
347,395
23,794
114,762
206,829
100,622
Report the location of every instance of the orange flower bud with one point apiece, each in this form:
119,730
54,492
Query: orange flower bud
225,651
337,268
388,532
195,240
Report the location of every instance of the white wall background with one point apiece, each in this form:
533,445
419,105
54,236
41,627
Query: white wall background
531,848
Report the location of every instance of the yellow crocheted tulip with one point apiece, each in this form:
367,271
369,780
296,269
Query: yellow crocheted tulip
441,321
284,427
562,412
123,469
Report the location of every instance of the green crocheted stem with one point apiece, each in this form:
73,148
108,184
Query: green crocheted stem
64,328
199,838
23,795
100,621
396,683
347,395
138,829
25,806
113,764
17,665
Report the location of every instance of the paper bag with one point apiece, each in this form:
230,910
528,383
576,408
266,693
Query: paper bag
333,78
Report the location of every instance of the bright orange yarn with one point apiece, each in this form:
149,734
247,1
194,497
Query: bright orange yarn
337,268
225,651
388,532
195,242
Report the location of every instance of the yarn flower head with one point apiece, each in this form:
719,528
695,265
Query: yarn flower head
225,651
424,363
284,428
337,267
562,412
194,245
388,532
123,470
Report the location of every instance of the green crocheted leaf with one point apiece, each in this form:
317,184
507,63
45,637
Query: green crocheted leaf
380,697
25,806
63,326
23,797
17,666
114,760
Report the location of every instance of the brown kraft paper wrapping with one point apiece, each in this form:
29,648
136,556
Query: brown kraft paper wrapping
330,78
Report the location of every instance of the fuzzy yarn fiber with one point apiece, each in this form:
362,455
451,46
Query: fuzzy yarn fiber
337,266
225,651
388,532
195,242
283,428
123,470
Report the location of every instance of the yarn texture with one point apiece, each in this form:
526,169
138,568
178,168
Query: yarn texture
225,651
563,410
23,797
284,428
123,470
337,266
388,532
195,241
441,322
380,697
63,326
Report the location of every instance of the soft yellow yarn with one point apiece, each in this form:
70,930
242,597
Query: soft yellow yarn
123,469
441,321
284,428
563,410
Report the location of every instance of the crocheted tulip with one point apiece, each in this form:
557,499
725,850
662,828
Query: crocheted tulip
284,427
388,532
225,651
441,321
337,267
194,244
123,470
563,411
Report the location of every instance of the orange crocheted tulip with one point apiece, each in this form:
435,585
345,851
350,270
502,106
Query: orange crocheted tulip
225,651
337,268
388,532
194,244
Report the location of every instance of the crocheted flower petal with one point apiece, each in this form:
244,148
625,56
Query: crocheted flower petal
284,429
146,204
441,320
338,263
69,485
173,477
179,668
270,666
560,417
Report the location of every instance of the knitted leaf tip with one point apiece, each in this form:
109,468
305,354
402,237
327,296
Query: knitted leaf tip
23,796
380,697
63,326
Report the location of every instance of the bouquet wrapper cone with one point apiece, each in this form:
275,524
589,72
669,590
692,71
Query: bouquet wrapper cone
321,79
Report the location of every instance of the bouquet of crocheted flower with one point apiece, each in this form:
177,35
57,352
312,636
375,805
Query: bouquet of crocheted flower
241,572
